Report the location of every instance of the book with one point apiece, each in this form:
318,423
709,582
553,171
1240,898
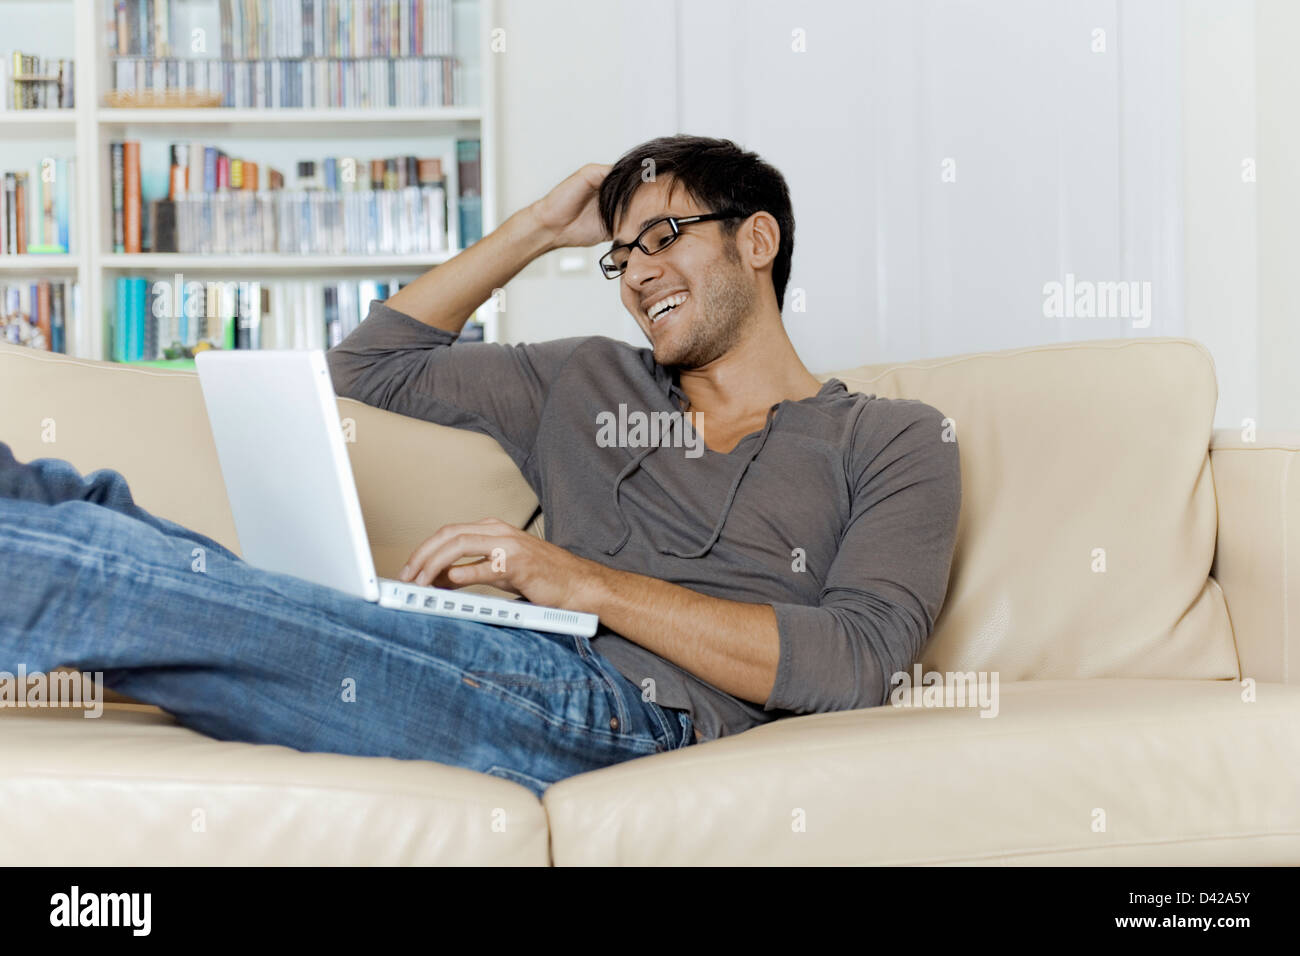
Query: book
117,172
469,200
131,195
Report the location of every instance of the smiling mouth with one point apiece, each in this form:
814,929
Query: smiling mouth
660,313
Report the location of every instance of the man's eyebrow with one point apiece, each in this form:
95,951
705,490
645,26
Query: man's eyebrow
644,223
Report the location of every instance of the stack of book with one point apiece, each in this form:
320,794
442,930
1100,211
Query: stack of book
38,313
37,83
341,206
36,208
291,53
173,318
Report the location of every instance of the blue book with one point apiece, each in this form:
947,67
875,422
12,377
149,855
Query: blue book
140,300
61,187
119,321
132,320
209,169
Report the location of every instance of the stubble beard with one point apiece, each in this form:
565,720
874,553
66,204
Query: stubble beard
722,312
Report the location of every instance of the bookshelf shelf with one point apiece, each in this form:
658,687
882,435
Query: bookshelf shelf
313,121
267,264
39,119
275,136
37,264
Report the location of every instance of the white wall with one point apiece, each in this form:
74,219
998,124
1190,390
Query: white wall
1059,167
1277,78
1220,208
1124,164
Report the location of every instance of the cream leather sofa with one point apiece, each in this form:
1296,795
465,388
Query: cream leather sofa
1132,577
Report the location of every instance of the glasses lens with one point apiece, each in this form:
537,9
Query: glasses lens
655,238
658,236
613,263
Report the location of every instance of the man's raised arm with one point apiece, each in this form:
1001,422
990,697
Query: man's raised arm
398,358
447,295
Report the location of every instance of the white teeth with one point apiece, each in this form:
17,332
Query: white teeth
663,305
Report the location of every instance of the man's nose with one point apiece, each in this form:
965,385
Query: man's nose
641,268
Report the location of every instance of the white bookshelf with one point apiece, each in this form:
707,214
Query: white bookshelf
270,137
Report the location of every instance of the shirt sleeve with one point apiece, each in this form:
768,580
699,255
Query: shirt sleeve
400,364
887,582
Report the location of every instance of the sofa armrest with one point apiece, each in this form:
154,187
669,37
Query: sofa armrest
1257,556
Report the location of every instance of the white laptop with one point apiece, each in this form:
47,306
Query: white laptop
274,417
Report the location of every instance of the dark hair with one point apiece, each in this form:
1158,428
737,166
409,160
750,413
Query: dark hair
718,175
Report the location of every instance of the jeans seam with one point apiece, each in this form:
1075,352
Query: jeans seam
620,705
546,715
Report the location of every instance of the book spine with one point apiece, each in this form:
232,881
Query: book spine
209,169
162,28
131,194
469,201
20,213
58,318
134,309
118,169
120,320
43,313
62,203
123,30
152,306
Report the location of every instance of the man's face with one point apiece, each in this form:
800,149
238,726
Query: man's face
720,294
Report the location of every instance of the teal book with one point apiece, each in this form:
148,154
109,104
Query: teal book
132,320
139,311
63,188
120,321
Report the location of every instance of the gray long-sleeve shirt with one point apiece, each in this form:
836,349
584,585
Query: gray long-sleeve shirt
841,513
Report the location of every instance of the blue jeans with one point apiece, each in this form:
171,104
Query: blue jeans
94,582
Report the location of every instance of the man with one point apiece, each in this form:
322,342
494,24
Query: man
788,556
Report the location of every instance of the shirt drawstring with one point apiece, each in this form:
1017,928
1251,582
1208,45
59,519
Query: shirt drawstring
705,548
630,467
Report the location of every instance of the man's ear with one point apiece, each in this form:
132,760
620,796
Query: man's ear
762,235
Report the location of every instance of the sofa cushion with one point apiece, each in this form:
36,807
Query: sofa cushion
1179,772
1071,454
150,424
134,788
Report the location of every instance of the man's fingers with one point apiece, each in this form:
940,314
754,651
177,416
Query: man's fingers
420,556
465,544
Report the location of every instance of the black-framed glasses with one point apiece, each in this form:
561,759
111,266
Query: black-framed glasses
656,237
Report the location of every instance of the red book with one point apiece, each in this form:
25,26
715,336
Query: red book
223,172
43,312
131,199
20,210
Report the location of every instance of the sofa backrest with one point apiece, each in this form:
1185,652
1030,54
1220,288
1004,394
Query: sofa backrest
150,424
1088,515
1072,455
